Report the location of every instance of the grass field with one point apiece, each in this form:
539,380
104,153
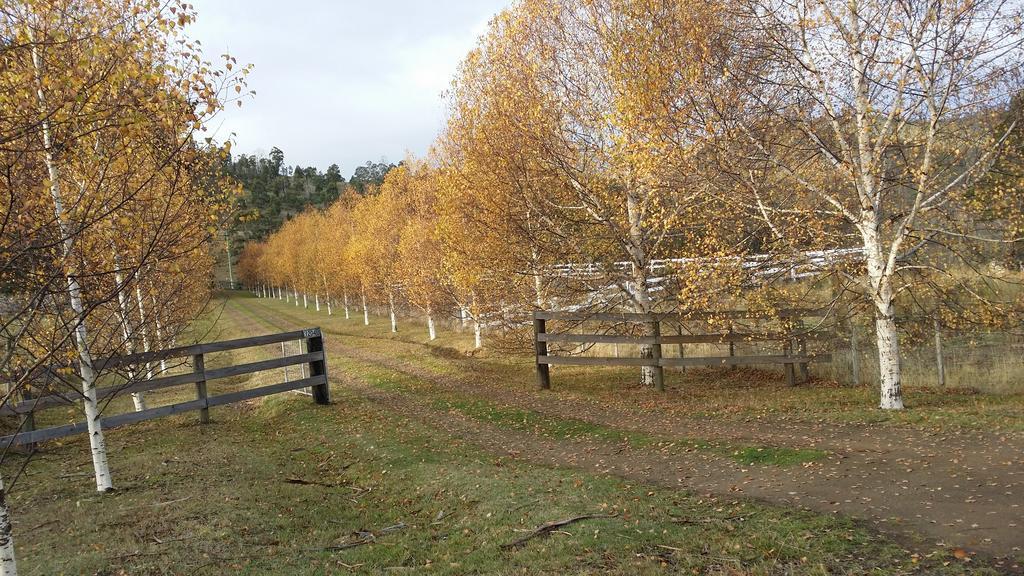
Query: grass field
282,486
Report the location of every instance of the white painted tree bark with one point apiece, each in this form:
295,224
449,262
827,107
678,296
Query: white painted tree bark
97,442
391,311
431,331
366,310
8,564
142,324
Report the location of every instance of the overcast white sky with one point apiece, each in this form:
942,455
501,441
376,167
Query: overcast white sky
341,82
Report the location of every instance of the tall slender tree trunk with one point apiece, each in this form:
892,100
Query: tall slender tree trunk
8,565
886,334
305,301
391,311
463,313
478,340
295,293
142,323
231,270
330,310
159,327
125,317
97,442
538,284
366,309
641,295
431,332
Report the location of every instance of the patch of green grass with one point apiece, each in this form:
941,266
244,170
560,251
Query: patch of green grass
530,421
773,455
564,428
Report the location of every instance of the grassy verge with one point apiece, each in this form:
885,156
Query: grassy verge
286,487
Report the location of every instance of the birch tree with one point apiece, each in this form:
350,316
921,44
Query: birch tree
871,119
592,95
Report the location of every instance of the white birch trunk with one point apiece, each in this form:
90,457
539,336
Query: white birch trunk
159,328
391,312
231,271
344,301
886,333
142,324
641,295
366,311
305,301
97,443
295,293
463,313
478,340
122,303
280,295
330,310
8,565
316,300
431,332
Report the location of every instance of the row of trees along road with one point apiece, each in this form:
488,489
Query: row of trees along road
589,140
108,195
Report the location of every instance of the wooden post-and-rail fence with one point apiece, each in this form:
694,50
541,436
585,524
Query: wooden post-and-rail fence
794,343
199,376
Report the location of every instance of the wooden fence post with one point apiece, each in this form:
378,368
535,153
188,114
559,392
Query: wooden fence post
541,349
28,420
732,346
659,370
790,368
199,367
315,343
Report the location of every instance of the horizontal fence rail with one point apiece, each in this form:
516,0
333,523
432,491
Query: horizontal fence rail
314,358
794,342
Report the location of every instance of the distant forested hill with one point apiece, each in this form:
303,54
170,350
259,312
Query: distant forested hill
275,192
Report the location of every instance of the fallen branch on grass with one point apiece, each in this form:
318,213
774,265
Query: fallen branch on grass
302,482
691,521
549,527
366,537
